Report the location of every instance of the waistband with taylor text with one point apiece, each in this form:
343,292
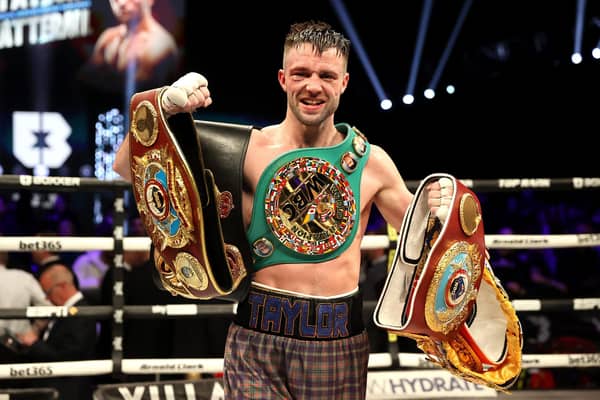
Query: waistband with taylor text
302,317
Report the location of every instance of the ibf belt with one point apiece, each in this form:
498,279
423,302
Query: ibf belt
307,318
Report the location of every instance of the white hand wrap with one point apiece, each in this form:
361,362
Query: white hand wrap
177,94
190,82
174,97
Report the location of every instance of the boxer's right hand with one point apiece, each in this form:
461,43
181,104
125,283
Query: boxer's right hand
439,197
186,94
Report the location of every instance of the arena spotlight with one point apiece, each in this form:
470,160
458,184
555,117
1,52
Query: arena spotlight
384,102
596,51
579,17
430,91
416,61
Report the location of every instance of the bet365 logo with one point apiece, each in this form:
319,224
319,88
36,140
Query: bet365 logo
40,139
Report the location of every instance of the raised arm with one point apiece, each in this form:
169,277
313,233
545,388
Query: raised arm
185,95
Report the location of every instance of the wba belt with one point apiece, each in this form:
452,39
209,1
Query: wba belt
302,317
189,201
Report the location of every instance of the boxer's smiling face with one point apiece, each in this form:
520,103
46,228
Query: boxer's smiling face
313,82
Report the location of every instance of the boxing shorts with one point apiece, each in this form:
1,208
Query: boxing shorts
441,292
187,184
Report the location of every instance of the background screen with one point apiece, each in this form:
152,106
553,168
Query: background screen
67,70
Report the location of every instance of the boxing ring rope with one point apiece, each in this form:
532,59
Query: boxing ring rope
168,366
118,310
225,310
28,243
73,184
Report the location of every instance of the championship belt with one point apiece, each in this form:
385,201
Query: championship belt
441,292
190,218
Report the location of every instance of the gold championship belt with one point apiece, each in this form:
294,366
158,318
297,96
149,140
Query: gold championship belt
441,292
189,219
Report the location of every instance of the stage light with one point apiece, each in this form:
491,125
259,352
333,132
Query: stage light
346,21
448,49
416,61
576,56
385,104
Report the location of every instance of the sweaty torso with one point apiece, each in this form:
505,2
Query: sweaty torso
328,278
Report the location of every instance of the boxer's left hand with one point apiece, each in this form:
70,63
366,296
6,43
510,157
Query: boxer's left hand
439,197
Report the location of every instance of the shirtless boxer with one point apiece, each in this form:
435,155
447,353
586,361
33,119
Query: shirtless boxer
307,242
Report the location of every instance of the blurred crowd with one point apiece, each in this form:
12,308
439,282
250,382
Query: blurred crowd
61,278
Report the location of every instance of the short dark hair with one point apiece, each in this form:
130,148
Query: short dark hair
318,33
